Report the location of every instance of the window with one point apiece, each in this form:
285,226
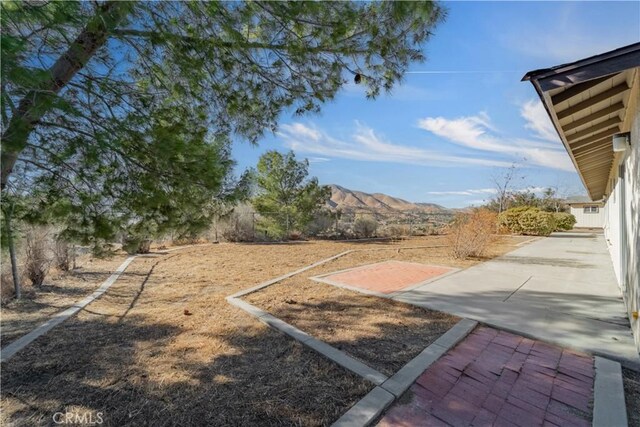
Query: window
591,209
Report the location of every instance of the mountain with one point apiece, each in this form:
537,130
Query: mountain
345,199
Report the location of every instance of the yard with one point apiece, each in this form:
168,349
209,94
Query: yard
162,346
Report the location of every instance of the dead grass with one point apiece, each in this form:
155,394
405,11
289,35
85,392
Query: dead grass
383,334
135,356
59,291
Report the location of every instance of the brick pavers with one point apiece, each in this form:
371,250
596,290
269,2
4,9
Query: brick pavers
494,378
387,277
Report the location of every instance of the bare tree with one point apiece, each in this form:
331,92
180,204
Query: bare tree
503,182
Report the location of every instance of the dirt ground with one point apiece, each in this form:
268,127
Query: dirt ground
383,334
162,347
60,290
632,395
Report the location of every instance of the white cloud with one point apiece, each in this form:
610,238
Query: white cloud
488,191
470,192
487,146
366,145
538,120
318,159
476,132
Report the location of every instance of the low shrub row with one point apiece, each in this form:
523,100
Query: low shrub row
535,222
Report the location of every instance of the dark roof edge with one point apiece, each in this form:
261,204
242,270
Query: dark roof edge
563,68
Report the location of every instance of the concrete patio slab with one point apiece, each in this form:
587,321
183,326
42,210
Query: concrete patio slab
385,278
559,289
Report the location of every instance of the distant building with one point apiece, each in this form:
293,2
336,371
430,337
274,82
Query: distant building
594,104
588,214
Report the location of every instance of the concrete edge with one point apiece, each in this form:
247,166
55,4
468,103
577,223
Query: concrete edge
409,373
389,261
325,350
453,271
10,350
609,408
14,347
366,410
624,361
322,278
286,276
528,241
404,247
350,288
602,352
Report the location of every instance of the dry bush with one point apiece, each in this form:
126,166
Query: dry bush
239,228
321,224
37,254
365,227
62,255
470,234
396,231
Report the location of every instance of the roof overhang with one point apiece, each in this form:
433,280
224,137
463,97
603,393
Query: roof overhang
587,102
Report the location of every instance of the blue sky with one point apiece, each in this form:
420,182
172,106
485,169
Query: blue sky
441,137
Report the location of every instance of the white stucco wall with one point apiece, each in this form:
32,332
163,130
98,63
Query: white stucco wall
625,255
590,220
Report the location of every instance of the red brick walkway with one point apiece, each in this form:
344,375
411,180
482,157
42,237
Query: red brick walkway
494,378
388,277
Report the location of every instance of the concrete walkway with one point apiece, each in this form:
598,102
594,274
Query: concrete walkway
559,289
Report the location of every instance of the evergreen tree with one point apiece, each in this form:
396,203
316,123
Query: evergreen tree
75,71
119,114
287,200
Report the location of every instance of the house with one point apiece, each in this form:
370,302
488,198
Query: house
594,104
588,214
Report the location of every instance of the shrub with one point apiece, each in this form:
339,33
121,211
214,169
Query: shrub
396,231
62,254
136,245
535,222
469,234
322,223
528,220
510,219
365,227
239,227
37,255
564,221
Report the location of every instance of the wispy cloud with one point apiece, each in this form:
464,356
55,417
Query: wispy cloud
318,159
366,145
470,192
478,133
487,191
560,37
538,120
475,192
483,141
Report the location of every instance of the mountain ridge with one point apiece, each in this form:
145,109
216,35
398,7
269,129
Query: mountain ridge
347,199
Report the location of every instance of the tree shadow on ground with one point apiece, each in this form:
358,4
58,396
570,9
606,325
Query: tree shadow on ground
134,374
381,333
555,262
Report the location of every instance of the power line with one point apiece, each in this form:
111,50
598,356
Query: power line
462,72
